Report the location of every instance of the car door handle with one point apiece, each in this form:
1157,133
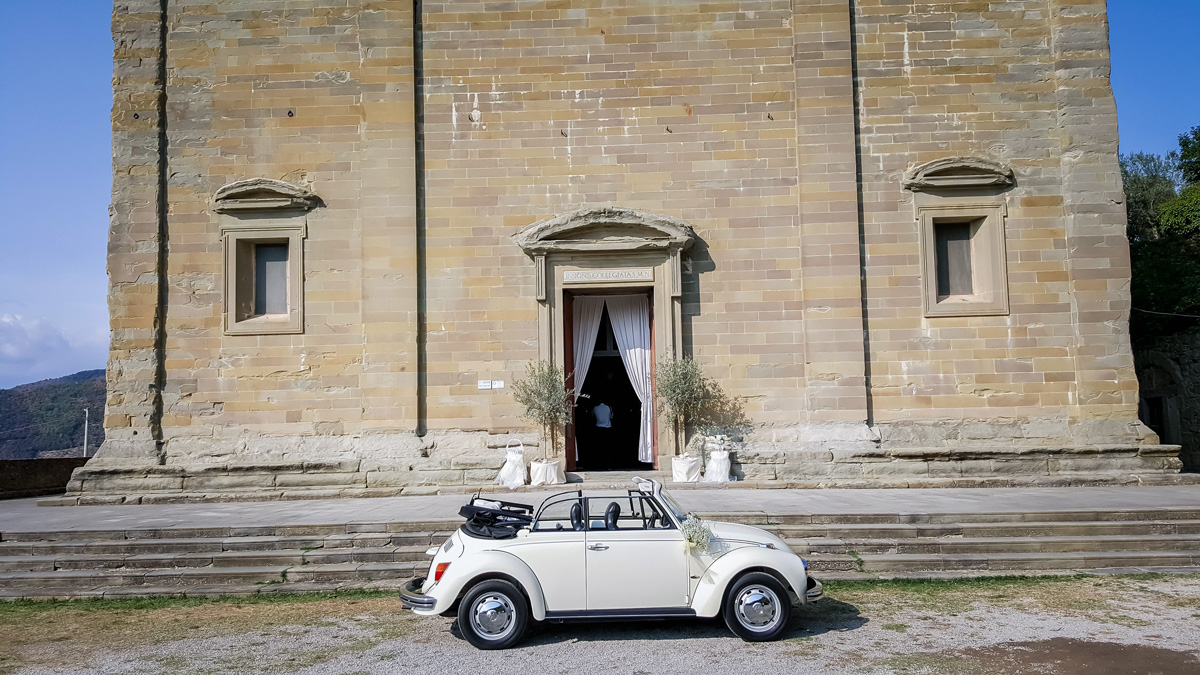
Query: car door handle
597,547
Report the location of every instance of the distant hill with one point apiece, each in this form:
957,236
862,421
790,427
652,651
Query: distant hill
46,418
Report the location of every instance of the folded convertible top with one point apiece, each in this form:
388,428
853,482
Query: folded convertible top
494,519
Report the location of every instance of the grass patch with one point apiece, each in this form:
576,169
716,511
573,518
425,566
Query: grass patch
1128,621
897,627
944,585
27,607
950,597
64,633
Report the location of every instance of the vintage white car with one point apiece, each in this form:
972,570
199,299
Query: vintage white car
605,557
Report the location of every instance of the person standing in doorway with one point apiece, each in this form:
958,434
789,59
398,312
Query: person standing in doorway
603,414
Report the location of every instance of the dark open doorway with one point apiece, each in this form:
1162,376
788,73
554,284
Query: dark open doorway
607,397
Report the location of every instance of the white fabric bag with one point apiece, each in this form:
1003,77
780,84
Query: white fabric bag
512,474
685,469
717,469
546,472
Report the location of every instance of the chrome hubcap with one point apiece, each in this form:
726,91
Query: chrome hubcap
492,616
758,608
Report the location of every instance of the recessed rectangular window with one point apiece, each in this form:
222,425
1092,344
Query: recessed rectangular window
270,279
963,262
954,269
264,288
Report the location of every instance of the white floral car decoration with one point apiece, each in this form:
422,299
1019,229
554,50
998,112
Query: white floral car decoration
607,556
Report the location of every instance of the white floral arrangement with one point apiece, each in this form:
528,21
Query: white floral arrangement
696,533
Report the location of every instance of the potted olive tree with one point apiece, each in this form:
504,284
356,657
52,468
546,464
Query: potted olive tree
692,400
682,388
547,404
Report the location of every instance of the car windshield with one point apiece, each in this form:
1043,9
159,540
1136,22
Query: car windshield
670,503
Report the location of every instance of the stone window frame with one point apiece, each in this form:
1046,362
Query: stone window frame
263,211
989,260
270,324
957,190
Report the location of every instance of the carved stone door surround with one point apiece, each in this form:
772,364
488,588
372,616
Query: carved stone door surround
606,250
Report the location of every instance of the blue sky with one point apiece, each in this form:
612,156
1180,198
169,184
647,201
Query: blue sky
55,159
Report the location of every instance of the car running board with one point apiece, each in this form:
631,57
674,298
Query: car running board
658,614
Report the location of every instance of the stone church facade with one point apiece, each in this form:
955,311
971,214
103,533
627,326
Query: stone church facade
340,231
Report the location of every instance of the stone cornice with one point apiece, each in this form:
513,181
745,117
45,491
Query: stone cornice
958,173
263,194
638,231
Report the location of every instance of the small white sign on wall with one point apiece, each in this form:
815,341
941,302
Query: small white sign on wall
485,384
497,384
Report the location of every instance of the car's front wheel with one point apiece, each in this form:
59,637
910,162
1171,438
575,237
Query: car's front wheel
493,614
757,608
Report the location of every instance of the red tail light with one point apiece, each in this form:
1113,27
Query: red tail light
439,571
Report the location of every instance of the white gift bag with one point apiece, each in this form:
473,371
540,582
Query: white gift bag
717,469
685,469
512,474
546,472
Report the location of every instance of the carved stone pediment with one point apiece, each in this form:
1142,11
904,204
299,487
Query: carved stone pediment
263,194
959,173
605,229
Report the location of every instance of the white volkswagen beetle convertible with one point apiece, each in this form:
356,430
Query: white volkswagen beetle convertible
600,557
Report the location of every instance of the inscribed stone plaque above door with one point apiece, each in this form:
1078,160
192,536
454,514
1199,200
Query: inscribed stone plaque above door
605,276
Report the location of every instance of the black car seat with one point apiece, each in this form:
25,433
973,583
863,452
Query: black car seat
577,517
611,514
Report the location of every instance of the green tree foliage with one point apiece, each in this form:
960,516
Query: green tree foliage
688,397
681,388
1150,182
47,416
1164,239
1180,217
1166,284
1189,156
546,399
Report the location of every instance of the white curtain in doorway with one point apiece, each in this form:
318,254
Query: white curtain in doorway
630,316
585,327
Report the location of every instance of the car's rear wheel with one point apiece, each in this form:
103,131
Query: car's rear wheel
493,614
757,608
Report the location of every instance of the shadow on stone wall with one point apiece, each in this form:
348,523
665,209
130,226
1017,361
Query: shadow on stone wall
34,477
1168,373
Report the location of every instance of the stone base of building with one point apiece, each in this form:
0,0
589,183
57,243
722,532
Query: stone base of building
1082,464
117,483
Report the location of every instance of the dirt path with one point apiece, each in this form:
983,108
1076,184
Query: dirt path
1126,625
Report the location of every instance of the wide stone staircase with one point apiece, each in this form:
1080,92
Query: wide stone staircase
311,558
949,544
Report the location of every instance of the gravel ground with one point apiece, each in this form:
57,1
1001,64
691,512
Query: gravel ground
1127,625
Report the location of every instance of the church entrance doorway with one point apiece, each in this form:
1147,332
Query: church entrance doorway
610,342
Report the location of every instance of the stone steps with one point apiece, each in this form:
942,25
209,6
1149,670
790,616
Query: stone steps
253,558
200,545
309,558
1013,563
998,545
1015,529
79,582
764,519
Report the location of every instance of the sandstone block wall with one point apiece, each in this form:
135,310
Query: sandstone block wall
780,130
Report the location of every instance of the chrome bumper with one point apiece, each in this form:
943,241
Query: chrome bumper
412,598
815,590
